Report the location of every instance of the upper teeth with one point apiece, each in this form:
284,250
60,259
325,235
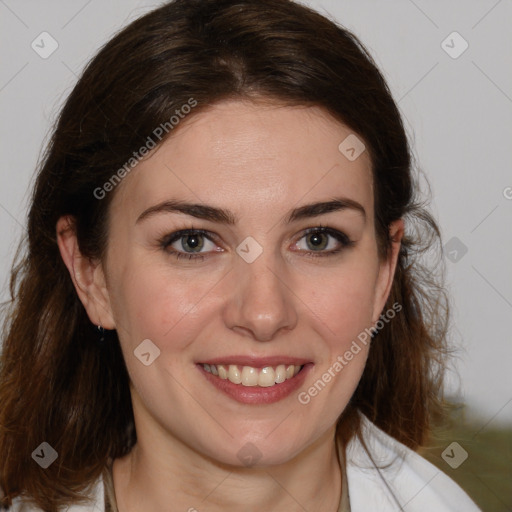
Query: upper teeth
249,376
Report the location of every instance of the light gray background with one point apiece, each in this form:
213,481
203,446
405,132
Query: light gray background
458,113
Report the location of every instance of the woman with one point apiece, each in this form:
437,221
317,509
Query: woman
218,308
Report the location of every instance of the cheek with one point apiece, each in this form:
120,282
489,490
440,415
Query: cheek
152,304
155,301
343,303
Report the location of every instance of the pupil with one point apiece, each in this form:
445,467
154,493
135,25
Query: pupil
317,240
193,242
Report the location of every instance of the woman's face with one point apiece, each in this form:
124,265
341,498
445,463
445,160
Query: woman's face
259,286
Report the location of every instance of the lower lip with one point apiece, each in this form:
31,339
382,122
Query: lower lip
256,394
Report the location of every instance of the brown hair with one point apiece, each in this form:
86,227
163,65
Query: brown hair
57,384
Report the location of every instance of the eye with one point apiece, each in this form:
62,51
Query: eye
197,243
189,243
323,241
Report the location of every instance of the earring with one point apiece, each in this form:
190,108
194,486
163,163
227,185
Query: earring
101,333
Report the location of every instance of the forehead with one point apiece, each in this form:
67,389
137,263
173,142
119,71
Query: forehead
250,157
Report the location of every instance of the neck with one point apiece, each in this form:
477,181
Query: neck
156,474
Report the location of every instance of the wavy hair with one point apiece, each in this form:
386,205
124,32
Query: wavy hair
57,384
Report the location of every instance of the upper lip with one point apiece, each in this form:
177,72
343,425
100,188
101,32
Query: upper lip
257,362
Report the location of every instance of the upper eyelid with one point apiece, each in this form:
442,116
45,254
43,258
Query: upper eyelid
187,231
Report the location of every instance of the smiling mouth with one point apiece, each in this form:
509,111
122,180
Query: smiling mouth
249,376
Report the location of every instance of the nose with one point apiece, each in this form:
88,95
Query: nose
261,303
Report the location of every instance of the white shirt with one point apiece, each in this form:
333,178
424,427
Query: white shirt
402,481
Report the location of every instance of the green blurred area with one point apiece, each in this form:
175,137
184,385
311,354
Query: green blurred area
486,474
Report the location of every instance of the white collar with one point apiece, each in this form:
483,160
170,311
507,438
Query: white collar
402,480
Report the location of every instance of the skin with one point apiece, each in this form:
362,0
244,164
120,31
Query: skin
259,161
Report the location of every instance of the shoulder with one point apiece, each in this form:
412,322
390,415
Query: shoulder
96,495
390,477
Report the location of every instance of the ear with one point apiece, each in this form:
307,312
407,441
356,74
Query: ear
87,275
387,269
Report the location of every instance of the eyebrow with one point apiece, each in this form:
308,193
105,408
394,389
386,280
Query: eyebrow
220,215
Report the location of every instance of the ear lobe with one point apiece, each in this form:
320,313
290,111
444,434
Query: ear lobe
86,274
387,268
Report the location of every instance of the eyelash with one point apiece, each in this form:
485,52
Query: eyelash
167,240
